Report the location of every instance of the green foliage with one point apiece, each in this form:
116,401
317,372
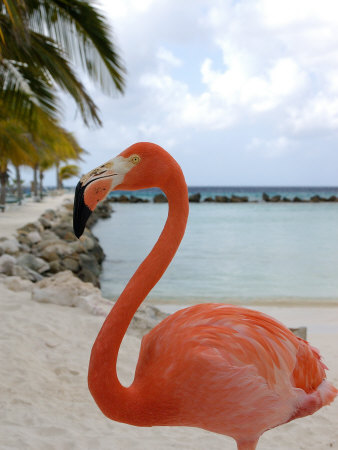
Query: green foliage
40,42
69,171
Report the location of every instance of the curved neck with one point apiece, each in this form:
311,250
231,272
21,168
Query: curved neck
114,400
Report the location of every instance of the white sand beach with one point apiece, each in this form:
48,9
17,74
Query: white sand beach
16,216
45,348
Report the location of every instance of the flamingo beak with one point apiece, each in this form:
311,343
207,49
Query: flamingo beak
90,190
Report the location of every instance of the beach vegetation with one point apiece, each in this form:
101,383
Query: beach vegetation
68,171
40,43
41,148
15,148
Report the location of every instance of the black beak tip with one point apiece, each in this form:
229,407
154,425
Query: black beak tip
81,212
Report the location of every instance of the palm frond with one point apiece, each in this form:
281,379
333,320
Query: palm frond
24,90
84,34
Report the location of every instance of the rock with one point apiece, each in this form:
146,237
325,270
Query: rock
87,242
222,199
87,276
44,243
51,247
275,198
134,199
89,262
10,246
26,273
297,200
333,198
6,264
285,199
77,246
239,199
71,264
160,198
103,210
316,199
17,284
208,199
145,319
22,238
68,205
98,253
195,198
67,290
34,237
123,199
9,266
300,332
47,224
32,226
265,197
64,231
49,214
55,251
33,262
48,235
56,266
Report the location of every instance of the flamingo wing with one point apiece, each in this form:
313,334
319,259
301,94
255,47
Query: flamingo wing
239,362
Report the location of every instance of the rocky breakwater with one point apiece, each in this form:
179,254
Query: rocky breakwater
313,199
48,246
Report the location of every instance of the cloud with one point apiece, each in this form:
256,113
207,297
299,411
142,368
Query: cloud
241,79
167,57
271,148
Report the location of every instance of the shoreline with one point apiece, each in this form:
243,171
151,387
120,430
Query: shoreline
280,302
17,216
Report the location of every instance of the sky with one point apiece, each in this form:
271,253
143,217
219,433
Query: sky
241,92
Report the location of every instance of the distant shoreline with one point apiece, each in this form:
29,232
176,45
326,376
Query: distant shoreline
236,194
174,304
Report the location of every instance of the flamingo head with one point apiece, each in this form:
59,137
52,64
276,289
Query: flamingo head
143,165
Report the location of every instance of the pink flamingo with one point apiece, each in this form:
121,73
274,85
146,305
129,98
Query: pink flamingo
224,368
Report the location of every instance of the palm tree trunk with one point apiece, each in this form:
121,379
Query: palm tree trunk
3,182
35,182
41,183
18,183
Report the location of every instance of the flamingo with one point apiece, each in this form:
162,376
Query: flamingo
223,368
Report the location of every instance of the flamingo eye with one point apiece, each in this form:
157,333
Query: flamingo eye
135,159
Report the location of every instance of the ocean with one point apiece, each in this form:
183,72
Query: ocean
239,253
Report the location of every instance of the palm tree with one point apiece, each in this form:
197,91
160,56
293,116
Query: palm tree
53,145
39,42
15,148
68,171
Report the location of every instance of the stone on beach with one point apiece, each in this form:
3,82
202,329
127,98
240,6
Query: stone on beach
66,289
239,199
33,262
195,198
49,246
10,246
160,198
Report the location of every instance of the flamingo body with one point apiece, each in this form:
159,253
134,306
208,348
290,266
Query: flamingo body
230,370
226,369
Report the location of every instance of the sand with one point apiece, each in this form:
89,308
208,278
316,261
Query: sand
45,402
16,216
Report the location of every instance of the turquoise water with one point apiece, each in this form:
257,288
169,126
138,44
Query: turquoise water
230,252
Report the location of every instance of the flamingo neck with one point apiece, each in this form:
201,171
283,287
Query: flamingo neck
114,400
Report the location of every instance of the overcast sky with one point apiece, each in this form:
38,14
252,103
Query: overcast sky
239,92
